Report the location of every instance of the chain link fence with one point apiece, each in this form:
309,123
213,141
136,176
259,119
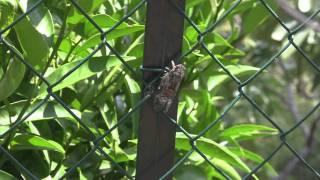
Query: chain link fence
97,142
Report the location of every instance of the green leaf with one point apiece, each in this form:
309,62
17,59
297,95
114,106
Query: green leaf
227,169
6,176
3,129
214,5
40,18
119,155
181,107
88,69
47,111
94,92
11,79
219,45
211,149
136,47
88,6
220,40
35,48
7,13
133,91
190,4
242,7
133,88
246,154
110,118
218,77
81,175
105,22
247,131
221,155
34,161
1,71
191,34
32,142
95,39
230,171
105,165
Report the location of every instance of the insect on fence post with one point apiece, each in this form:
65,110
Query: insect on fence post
168,87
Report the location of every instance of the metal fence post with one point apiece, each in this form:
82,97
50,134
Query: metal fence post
163,42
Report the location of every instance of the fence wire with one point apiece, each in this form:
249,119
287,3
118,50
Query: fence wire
96,141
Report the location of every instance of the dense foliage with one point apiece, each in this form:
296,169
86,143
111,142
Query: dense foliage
55,38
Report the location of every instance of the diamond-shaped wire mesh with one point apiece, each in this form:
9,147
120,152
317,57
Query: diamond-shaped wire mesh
98,145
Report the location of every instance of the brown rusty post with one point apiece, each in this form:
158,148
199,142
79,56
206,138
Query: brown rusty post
163,42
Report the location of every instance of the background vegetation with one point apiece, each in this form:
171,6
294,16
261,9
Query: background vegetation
55,37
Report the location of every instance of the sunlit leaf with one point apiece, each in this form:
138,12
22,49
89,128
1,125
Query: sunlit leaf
47,111
40,18
95,39
7,13
32,142
246,154
247,131
211,149
89,68
6,176
217,78
35,48
88,6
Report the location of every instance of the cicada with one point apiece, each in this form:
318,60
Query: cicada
168,87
